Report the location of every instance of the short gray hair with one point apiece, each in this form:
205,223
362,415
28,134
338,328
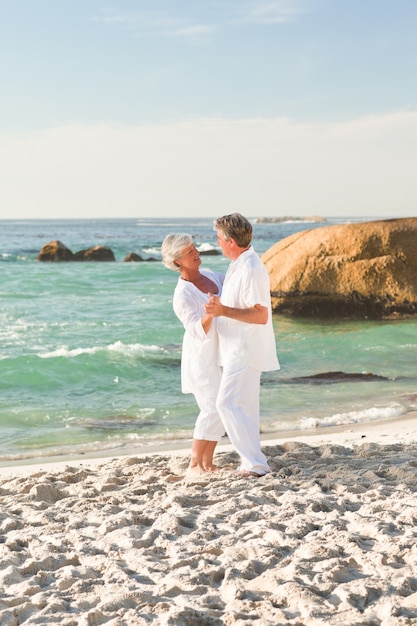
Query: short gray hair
236,227
172,247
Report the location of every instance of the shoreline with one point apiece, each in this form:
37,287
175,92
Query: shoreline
396,430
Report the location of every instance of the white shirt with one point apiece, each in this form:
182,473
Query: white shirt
241,344
199,350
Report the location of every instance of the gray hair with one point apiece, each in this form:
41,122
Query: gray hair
172,247
236,227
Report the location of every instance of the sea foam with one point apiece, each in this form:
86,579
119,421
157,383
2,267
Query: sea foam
118,346
354,417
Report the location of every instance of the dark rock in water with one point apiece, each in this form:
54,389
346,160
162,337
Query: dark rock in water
132,257
96,253
336,377
55,251
350,271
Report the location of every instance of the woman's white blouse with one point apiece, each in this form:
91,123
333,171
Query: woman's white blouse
199,350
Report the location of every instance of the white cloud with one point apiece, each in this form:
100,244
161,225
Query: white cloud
209,166
274,12
194,30
158,23
155,24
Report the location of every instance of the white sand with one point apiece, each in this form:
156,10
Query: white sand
329,537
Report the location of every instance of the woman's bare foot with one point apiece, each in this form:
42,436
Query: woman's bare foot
202,456
199,468
196,468
212,468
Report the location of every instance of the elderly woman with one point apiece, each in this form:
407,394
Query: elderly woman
200,372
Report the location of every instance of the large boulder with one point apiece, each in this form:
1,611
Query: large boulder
351,271
55,251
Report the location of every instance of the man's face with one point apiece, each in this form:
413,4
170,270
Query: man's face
226,246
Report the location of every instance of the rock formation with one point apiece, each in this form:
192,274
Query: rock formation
55,251
96,253
289,218
132,257
351,271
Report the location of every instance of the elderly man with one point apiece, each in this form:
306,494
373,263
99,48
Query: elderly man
246,341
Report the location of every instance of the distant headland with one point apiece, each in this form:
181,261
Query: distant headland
288,218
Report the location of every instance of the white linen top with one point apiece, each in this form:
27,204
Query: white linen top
241,344
199,350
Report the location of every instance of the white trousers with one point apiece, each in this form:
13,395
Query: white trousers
208,426
238,407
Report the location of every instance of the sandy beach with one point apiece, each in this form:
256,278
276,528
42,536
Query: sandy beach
329,537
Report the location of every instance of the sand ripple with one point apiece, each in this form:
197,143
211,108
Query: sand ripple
329,537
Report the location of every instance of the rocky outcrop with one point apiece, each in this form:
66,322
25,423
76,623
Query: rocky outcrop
96,253
132,257
55,251
288,218
351,271
325,378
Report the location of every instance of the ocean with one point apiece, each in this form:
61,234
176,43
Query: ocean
90,352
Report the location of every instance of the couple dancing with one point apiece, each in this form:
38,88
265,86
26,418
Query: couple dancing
228,341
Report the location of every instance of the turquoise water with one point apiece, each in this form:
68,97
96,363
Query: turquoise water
90,352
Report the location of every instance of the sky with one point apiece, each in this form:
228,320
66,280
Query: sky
181,108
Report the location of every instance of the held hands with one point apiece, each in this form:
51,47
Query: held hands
213,307
257,314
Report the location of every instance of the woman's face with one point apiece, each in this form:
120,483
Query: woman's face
189,259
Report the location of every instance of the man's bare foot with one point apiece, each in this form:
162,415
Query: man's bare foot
248,474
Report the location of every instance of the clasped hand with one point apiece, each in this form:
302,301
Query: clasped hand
213,307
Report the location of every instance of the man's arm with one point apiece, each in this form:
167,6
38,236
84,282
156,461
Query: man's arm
256,314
